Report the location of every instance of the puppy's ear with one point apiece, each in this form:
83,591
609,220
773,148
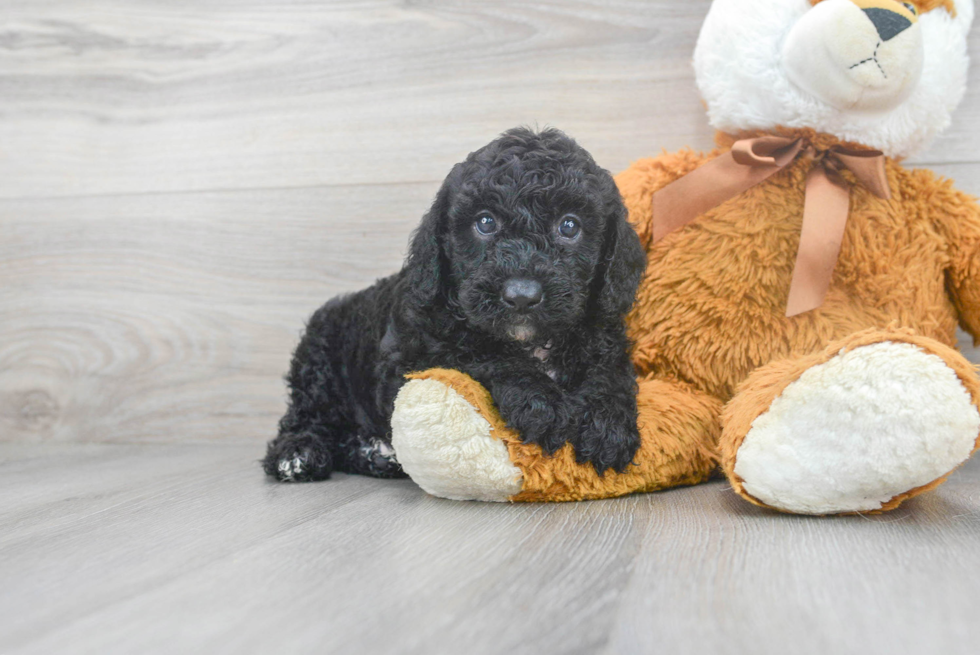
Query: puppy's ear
623,263
426,263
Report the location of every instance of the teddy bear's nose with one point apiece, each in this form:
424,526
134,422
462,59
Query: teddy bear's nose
888,23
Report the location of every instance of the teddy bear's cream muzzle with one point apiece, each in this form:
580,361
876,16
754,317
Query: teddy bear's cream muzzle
856,54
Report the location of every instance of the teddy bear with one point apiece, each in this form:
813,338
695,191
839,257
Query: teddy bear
795,327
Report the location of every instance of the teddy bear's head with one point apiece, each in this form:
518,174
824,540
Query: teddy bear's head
884,73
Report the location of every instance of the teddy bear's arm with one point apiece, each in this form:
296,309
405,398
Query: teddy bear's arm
645,177
957,216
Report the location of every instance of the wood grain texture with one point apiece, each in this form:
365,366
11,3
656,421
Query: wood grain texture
182,184
115,96
112,96
184,548
173,317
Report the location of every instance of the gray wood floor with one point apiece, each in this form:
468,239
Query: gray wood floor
181,548
182,183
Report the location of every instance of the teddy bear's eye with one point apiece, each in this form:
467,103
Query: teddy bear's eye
911,7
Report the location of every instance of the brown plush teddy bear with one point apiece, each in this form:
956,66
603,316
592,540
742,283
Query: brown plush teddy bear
797,319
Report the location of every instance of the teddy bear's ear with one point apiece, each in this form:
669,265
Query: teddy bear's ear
426,264
622,265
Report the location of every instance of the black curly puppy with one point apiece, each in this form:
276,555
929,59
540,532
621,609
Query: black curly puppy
520,275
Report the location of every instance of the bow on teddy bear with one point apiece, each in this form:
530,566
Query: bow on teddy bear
855,399
751,161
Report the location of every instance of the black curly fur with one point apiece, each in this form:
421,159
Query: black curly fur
568,378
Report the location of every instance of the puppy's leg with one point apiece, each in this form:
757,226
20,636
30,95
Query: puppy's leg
529,402
334,422
606,432
311,455
302,457
372,456
310,433
598,418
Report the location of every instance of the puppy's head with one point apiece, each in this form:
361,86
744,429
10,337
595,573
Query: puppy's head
528,238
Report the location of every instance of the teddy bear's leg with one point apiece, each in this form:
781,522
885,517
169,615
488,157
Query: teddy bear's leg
450,439
871,421
444,438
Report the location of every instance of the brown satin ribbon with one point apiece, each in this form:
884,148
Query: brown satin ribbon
751,161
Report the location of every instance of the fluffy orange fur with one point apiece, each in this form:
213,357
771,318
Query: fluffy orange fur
710,308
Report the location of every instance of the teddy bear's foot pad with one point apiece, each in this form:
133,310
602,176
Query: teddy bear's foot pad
859,432
446,446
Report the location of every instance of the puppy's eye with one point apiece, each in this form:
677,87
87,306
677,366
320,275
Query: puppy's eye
911,7
486,224
569,227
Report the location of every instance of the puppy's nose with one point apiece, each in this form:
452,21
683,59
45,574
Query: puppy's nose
522,293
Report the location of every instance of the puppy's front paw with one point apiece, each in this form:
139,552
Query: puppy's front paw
538,414
608,438
297,458
293,469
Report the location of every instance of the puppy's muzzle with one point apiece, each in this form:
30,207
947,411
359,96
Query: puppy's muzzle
522,294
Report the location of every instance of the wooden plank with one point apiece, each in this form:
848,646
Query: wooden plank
173,317
182,183
738,579
93,525
186,548
111,96
145,316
